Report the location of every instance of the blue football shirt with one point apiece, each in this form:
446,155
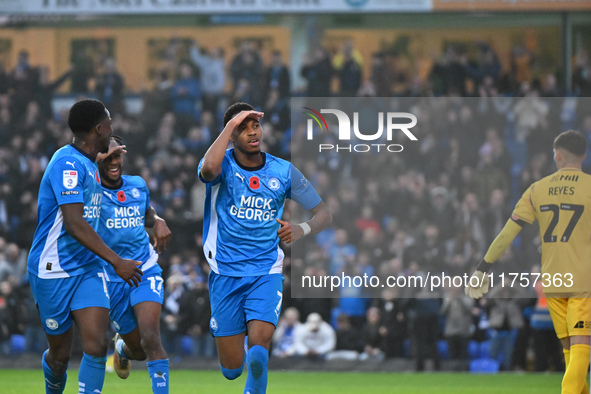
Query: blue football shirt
241,208
122,223
71,177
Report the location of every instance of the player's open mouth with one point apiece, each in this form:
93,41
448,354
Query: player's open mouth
253,142
114,170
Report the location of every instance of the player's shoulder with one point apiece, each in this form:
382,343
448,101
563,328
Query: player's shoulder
68,158
135,184
133,181
277,162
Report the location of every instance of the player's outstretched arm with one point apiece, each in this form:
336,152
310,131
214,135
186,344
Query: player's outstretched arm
322,218
83,232
211,167
477,287
161,231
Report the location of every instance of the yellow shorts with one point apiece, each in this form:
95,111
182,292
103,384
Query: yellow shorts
570,316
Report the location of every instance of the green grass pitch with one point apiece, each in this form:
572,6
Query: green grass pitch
15,381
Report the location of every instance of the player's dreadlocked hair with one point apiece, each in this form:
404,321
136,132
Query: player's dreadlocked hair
86,114
572,141
234,110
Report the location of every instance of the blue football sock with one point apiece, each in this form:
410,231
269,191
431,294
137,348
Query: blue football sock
54,383
91,375
158,370
257,360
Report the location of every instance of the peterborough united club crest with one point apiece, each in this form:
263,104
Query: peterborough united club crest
274,184
213,324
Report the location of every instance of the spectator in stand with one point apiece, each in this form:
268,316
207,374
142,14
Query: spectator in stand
174,289
469,218
342,252
487,178
4,80
457,310
521,61
429,252
277,111
381,75
582,76
505,317
551,88
157,102
393,319
212,67
442,212
194,313
277,77
35,340
348,65
284,335
46,90
487,65
110,87
13,263
23,85
8,316
423,323
246,71
373,334
314,339
318,71
186,98
349,342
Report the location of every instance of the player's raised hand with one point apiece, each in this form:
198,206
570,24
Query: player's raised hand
161,235
129,271
242,115
477,285
112,149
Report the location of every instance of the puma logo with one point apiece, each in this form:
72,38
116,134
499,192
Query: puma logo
240,176
71,163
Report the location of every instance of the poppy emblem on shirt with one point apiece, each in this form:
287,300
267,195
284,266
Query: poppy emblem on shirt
98,179
121,196
254,183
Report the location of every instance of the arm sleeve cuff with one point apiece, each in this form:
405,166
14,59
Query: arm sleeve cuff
483,266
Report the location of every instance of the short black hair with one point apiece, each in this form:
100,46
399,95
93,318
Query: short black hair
86,114
572,141
118,139
234,110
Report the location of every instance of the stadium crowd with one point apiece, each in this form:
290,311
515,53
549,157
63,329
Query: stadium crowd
453,191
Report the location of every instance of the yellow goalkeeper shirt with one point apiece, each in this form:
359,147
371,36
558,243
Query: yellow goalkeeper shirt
561,203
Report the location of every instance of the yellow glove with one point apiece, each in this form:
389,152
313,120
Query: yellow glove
477,285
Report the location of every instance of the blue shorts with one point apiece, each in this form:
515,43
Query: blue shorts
124,298
237,300
57,298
